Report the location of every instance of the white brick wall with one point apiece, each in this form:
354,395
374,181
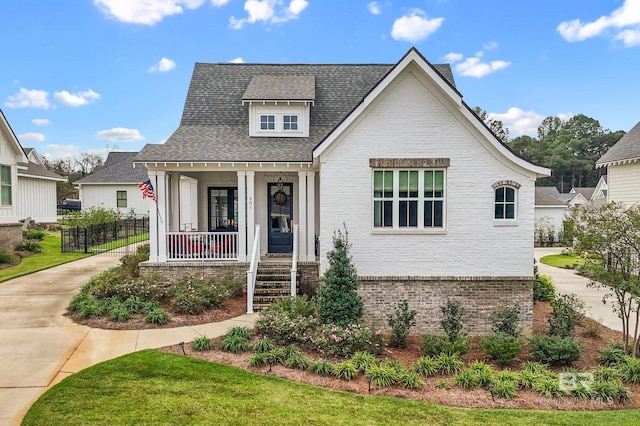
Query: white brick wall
409,121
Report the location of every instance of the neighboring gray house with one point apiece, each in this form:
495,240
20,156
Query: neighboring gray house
622,161
278,157
115,186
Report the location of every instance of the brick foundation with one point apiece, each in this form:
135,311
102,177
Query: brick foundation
480,296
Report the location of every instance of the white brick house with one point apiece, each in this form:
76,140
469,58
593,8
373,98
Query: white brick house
435,205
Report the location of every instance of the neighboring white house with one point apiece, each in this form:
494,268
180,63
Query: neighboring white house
622,161
552,208
37,193
435,205
115,186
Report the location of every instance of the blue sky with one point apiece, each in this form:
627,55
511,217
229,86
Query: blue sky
98,75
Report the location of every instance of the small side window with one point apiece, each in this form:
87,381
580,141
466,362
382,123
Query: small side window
505,203
121,198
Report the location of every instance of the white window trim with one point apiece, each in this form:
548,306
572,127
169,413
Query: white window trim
279,111
516,198
420,229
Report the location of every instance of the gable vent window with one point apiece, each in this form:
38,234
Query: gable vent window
267,122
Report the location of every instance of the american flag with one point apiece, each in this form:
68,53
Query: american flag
147,190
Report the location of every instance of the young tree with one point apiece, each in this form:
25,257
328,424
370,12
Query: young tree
497,127
338,300
611,236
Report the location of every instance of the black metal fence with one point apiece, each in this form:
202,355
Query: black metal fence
113,237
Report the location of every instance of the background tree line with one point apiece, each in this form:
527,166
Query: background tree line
73,169
570,148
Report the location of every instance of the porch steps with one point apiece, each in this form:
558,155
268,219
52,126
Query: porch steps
273,283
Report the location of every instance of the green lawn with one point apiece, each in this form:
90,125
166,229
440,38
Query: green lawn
120,243
51,256
562,261
151,387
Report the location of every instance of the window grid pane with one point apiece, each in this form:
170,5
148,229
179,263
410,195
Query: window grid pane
267,122
5,182
121,198
505,203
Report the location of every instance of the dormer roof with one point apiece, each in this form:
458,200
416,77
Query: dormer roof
301,88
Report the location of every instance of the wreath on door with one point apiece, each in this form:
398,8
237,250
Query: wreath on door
279,197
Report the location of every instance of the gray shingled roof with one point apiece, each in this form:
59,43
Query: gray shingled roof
281,87
118,172
627,148
215,123
586,192
36,170
543,198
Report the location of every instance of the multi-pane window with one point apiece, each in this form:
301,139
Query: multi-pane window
121,198
505,203
223,209
5,185
290,122
267,122
408,198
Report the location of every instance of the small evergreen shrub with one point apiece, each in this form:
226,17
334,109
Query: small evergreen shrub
134,304
554,350
157,316
543,289
383,376
30,246
505,320
93,308
503,389
299,306
435,345
592,328
7,258
202,343
322,368
283,326
395,364
297,361
605,390
345,370
426,366
119,312
612,355
483,373
410,380
337,298
549,388
33,234
567,312
606,374
243,332
452,323
630,370
333,340
449,363
79,300
258,359
263,345
401,321
502,348
465,379
363,361
442,384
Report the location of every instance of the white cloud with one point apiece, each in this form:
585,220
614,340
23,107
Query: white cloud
453,57
219,3
41,122
268,11
628,15
565,117
374,8
237,60
148,12
490,46
163,65
472,67
76,99
28,99
120,134
414,26
31,137
518,122
55,151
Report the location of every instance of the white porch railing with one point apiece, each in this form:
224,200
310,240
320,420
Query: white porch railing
253,269
294,261
202,246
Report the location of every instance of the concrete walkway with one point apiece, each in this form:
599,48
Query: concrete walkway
567,282
39,346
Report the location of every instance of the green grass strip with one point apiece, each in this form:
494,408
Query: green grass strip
155,388
120,243
51,256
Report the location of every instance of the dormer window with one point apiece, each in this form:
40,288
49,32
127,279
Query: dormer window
279,105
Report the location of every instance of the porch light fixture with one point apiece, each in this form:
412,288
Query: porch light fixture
279,197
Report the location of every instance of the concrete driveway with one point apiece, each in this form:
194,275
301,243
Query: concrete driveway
39,346
567,282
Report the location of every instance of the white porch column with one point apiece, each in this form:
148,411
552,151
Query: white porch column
242,216
302,215
251,215
173,191
311,215
160,186
153,223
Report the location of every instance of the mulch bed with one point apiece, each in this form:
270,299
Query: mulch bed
454,396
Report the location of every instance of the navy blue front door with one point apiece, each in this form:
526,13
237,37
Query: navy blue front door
280,217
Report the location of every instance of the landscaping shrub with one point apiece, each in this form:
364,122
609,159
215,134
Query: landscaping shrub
299,306
554,350
505,320
503,389
543,289
263,345
8,258
30,246
202,343
630,370
426,366
442,384
337,297
118,312
452,324
129,263
157,316
549,388
606,391
297,361
466,379
283,326
333,340
191,295
606,374
383,376
435,345
243,332
449,363
235,344
502,348
33,234
345,370
410,380
592,327
134,304
322,368
258,359
363,361
401,321
567,312
612,355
